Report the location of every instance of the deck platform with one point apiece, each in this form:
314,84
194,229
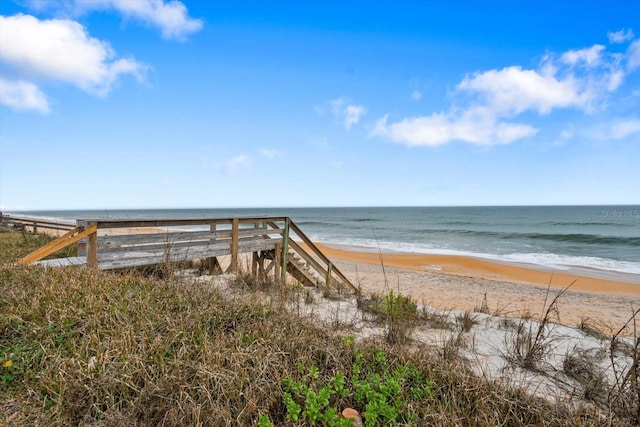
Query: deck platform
120,244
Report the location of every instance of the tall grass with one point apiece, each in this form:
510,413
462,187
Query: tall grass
84,347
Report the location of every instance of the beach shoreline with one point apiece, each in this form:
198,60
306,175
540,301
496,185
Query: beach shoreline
467,284
582,279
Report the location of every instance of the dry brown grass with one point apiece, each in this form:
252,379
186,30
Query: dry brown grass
94,348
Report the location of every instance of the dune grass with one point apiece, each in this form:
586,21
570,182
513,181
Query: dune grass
84,347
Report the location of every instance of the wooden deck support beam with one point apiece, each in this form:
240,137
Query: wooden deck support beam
234,245
254,264
214,265
57,244
277,262
285,250
92,245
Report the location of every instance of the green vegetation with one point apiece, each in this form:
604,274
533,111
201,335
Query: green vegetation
83,347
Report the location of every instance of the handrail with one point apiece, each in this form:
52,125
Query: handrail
129,223
57,244
40,222
319,253
89,229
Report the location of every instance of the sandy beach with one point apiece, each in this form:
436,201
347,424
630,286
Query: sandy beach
450,282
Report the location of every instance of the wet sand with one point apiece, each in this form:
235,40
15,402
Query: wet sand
449,282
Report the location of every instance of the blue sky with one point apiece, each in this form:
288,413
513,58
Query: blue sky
109,104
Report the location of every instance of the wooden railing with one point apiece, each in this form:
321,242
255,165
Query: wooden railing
37,224
271,241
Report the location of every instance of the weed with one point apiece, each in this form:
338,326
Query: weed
400,313
624,395
484,306
86,347
436,319
450,349
587,326
530,341
466,321
582,367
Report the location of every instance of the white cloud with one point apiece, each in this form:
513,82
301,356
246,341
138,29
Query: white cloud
590,56
350,114
565,135
622,128
633,55
513,90
473,126
416,95
237,162
22,96
580,79
171,17
61,50
269,153
620,36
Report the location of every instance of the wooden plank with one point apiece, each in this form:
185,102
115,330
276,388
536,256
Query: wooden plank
42,221
55,245
277,262
140,258
62,262
126,223
285,251
165,246
92,245
308,258
45,250
234,245
322,256
254,264
215,248
118,240
301,275
214,264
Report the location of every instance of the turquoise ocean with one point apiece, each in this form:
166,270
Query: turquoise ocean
594,238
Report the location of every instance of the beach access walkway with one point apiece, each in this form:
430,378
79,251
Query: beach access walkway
276,245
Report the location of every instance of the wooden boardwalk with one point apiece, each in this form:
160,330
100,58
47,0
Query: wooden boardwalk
276,244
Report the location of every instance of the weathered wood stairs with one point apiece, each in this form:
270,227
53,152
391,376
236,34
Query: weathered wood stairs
275,243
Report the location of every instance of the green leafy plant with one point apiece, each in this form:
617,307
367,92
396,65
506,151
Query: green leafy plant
377,388
400,313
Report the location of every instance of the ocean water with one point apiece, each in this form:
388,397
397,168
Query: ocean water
605,238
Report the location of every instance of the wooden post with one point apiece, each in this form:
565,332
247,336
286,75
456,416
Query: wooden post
92,246
254,265
214,265
261,265
329,271
234,245
277,261
285,250
254,257
82,247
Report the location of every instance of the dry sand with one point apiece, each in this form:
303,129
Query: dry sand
448,282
